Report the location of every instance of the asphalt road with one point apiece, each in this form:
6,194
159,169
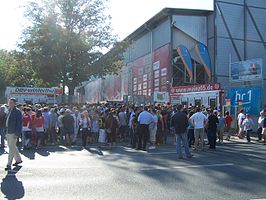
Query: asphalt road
234,171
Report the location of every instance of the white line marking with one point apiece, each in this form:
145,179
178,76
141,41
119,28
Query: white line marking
161,153
16,173
210,165
188,166
259,199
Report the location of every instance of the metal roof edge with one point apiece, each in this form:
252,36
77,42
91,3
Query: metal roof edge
162,15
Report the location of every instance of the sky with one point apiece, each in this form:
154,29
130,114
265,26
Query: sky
127,16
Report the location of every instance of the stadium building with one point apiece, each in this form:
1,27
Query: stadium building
205,57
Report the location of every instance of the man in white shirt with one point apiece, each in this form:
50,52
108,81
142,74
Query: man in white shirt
145,119
240,118
198,120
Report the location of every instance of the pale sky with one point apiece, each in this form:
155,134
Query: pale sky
127,16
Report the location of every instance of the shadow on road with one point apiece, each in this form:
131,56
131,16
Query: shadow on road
45,151
97,151
11,187
2,151
248,165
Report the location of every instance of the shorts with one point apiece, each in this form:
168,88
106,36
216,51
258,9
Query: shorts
68,131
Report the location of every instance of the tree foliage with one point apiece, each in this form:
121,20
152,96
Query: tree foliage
65,40
15,70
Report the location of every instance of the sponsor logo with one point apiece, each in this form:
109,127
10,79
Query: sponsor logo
196,88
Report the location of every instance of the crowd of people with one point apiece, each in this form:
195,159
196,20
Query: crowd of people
138,126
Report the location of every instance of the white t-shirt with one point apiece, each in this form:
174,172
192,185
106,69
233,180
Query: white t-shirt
240,118
199,120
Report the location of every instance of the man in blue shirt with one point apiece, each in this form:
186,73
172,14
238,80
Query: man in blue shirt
145,119
180,123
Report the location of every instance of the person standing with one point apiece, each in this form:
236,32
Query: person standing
240,118
263,132
123,129
180,123
102,133
85,127
2,126
160,128
212,129
14,130
26,129
228,122
260,125
220,128
144,119
130,125
111,127
52,126
248,124
60,125
68,126
95,126
134,128
191,138
76,115
39,123
198,120
153,129
46,126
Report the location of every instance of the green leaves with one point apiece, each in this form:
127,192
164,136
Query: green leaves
66,38
16,71
64,44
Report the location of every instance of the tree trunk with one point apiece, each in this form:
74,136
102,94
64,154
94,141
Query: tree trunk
71,97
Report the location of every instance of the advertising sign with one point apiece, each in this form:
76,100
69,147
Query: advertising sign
227,104
204,57
148,70
249,97
196,88
161,97
246,70
33,95
186,59
175,99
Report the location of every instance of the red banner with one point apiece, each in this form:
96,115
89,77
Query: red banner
196,88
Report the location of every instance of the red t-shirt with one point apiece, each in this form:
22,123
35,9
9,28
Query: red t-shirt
228,120
26,120
39,121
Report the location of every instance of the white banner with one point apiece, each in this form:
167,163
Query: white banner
161,97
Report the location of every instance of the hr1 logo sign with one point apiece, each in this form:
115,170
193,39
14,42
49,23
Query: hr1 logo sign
245,97
251,99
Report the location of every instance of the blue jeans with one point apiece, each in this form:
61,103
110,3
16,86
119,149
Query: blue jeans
212,137
248,132
182,137
2,134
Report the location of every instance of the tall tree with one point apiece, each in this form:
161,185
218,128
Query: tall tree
16,71
65,40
